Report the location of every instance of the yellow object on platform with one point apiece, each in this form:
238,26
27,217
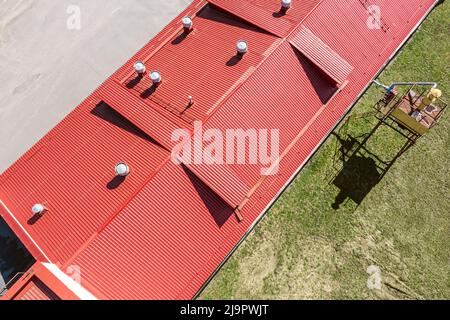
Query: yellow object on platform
409,122
431,98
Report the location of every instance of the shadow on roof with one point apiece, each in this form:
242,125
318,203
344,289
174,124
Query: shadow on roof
234,60
217,207
322,84
180,38
115,182
212,13
106,113
147,93
134,82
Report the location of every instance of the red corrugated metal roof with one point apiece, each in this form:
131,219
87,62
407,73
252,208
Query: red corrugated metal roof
36,290
167,226
267,15
39,283
166,241
320,54
72,173
222,180
214,36
299,99
256,15
146,118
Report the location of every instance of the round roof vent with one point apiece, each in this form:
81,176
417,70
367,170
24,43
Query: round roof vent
286,4
139,67
155,76
38,209
187,23
122,170
242,47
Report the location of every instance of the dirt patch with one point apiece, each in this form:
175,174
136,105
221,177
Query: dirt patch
270,273
310,271
260,264
375,250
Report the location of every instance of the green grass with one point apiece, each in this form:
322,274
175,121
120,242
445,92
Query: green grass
304,249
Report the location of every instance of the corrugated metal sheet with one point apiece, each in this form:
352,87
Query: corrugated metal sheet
321,55
165,235
266,13
288,104
164,225
146,118
256,15
38,283
78,183
37,290
214,36
298,11
222,180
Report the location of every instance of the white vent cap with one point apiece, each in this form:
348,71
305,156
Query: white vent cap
187,23
242,46
286,3
122,170
38,209
155,76
139,66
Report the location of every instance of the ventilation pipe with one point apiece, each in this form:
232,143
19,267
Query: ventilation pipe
285,6
38,209
122,170
433,85
190,101
139,67
187,24
242,48
155,76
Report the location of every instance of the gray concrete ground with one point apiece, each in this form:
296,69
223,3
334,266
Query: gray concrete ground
48,65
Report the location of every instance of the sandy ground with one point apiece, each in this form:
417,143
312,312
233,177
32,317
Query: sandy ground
46,69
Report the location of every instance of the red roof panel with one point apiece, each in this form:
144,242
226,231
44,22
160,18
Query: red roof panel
266,13
321,54
37,290
165,240
83,153
214,37
162,231
256,15
222,180
266,91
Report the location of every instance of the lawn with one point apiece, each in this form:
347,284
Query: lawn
305,249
